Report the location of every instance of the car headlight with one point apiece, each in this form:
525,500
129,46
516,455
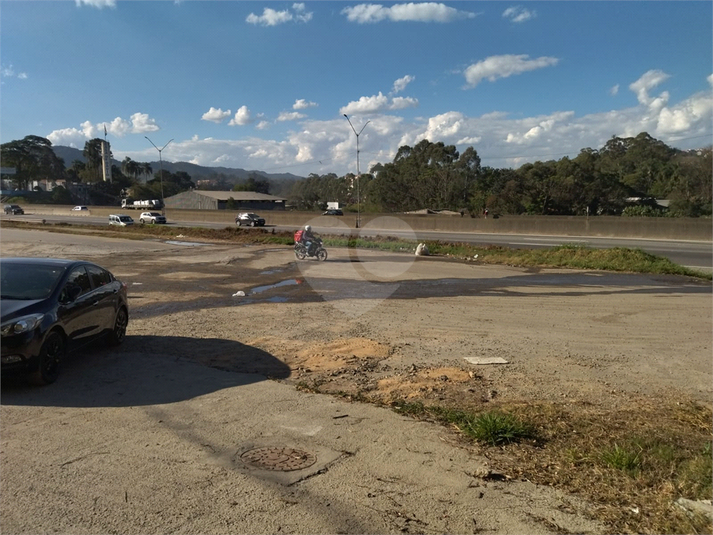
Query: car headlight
21,325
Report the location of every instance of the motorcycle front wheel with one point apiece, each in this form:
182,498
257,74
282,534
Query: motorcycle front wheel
321,255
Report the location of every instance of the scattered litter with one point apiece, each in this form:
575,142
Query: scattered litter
422,250
634,510
136,283
475,257
486,360
239,293
180,236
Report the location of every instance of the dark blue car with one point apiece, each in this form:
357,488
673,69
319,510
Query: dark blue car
51,306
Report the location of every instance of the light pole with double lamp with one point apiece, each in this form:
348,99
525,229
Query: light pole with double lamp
160,167
358,221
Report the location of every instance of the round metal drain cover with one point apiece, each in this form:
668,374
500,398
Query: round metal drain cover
282,459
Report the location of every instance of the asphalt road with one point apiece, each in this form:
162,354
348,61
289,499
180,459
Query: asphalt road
692,254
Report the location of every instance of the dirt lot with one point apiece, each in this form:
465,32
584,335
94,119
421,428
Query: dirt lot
384,326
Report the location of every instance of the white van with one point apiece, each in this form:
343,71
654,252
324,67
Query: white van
120,220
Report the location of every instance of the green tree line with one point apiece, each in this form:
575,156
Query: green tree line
436,176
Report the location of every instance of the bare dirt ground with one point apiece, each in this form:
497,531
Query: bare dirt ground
383,326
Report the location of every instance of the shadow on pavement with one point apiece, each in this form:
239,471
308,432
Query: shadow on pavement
147,370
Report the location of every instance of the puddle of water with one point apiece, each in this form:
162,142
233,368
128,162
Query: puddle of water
277,300
187,243
271,271
260,289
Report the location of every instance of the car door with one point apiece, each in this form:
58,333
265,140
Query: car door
77,315
105,296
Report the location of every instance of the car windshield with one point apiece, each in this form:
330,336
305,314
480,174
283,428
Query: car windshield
28,281
154,214
124,218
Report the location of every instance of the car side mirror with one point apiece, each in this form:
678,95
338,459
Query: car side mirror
71,292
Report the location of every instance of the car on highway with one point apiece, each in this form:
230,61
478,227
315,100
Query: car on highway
121,220
14,209
50,306
80,209
249,220
333,211
151,217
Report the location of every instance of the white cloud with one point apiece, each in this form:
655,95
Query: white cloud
710,79
401,83
270,17
519,14
216,115
495,67
68,137
99,4
399,103
290,116
139,123
614,90
262,125
378,103
142,123
648,81
371,104
417,12
9,72
302,104
242,117
694,113
118,127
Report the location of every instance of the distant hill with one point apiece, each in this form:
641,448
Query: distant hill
197,172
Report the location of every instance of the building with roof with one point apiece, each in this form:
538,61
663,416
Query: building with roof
224,200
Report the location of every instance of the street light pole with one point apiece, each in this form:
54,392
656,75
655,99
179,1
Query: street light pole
358,221
160,166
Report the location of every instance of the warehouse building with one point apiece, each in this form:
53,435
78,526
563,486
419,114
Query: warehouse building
224,200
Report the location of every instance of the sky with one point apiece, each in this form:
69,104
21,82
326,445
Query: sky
265,85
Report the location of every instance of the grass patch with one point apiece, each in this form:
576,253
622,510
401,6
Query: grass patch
642,457
493,428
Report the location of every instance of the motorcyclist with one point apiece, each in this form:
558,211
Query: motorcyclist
308,238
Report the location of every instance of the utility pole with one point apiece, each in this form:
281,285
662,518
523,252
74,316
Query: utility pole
358,221
160,166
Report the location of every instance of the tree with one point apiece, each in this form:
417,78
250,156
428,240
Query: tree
33,160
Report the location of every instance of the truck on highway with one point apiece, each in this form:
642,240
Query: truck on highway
151,204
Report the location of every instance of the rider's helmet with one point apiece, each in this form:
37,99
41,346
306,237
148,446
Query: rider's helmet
308,228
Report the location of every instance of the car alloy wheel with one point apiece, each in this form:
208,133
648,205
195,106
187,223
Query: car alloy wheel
118,334
51,354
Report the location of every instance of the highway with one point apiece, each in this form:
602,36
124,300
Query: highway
692,254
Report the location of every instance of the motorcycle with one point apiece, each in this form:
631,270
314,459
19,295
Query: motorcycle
315,251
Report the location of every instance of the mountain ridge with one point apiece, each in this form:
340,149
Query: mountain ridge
197,172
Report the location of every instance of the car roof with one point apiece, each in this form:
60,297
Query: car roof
56,262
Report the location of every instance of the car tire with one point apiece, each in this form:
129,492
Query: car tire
237,222
142,221
118,332
51,354
153,221
252,223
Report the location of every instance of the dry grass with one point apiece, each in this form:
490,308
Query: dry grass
632,463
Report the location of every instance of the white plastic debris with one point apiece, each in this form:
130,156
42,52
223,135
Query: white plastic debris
422,250
486,360
239,294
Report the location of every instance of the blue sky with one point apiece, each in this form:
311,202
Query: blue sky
265,85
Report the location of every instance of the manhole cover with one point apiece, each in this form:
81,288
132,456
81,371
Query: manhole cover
281,459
